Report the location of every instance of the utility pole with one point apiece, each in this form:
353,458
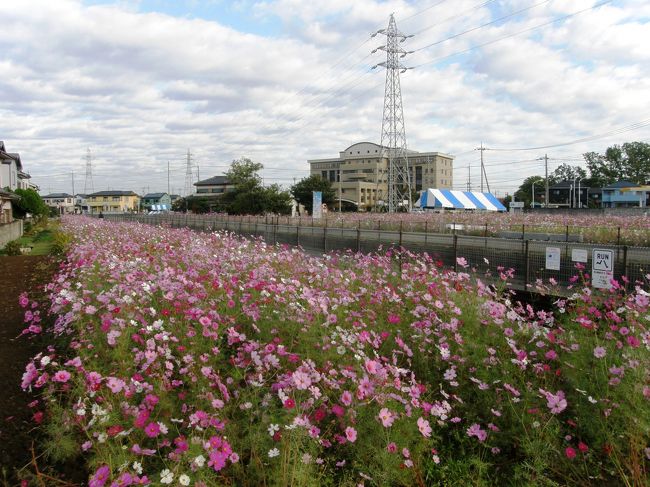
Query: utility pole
393,131
89,187
469,177
188,174
482,166
546,180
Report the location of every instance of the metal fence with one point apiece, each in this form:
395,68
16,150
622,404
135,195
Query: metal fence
485,254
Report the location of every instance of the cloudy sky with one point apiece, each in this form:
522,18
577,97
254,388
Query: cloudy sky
283,81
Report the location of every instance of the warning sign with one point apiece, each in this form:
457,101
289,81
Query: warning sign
553,258
602,268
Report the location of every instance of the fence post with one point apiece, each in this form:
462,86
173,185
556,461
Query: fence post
526,264
275,232
297,233
455,251
325,236
485,232
566,235
625,265
523,231
426,232
618,237
241,221
401,223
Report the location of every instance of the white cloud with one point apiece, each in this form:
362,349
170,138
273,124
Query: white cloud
140,88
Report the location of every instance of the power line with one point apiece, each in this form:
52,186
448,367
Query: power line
559,19
478,27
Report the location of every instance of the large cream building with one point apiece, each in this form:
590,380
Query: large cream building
359,174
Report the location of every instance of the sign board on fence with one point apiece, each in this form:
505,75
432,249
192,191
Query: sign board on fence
317,204
516,204
579,255
602,268
553,258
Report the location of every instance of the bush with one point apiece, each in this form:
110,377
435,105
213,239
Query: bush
60,242
12,248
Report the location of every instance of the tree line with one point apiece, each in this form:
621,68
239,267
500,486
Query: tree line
249,196
627,162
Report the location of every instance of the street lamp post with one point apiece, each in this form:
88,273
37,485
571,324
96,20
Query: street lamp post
533,202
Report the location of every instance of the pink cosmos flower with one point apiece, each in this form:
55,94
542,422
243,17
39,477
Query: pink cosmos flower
152,429
462,262
301,380
424,427
386,417
100,477
351,434
570,453
475,430
346,398
115,384
61,376
555,402
600,352
391,447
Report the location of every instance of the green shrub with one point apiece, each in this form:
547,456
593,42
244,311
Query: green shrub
12,248
60,242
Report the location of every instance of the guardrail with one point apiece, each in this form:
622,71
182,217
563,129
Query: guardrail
528,257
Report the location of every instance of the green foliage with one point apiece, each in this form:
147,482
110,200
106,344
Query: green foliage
30,202
566,172
525,191
631,162
249,197
60,242
12,248
303,190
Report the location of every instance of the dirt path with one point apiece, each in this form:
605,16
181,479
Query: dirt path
17,274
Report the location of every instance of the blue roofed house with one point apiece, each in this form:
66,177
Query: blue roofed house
626,194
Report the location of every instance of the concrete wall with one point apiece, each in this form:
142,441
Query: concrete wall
10,231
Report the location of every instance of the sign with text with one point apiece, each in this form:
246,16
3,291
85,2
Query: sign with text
317,204
553,258
602,268
579,255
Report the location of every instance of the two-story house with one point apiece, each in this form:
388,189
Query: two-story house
63,202
113,201
156,202
626,194
214,186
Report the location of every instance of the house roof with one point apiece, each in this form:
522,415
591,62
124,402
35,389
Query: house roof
213,181
154,195
113,193
58,195
621,184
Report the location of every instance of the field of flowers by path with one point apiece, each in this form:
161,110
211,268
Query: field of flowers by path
180,358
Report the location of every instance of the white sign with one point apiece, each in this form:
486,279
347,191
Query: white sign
553,258
317,204
579,255
602,268
603,260
516,204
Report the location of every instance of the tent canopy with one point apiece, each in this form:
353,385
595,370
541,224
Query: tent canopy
458,200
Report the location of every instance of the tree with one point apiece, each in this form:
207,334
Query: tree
525,191
30,202
249,197
303,190
566,172
630,162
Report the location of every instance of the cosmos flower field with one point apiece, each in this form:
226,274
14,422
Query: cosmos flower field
205,359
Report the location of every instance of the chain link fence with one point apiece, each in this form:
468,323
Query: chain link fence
527,256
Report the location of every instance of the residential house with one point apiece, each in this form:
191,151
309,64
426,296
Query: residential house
572,194
81,204
214,186
63,202
12,175
6,212
113,202
156,201
626,194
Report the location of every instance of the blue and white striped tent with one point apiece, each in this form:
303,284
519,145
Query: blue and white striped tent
159,208
458,200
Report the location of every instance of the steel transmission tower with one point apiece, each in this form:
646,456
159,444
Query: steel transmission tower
188,174
89,187
393,132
